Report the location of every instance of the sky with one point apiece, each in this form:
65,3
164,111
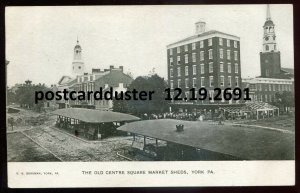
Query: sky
40,40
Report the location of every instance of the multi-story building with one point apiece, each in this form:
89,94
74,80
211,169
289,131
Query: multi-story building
273,79
209,59
264,89
113,78
82,81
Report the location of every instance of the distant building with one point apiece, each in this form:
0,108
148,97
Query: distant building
112,77
273,78
82,81
209,59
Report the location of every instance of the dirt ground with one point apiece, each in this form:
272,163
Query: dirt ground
21,148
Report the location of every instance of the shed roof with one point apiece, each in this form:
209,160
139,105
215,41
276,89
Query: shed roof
241,142
94,116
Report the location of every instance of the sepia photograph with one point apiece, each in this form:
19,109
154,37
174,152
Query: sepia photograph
150,86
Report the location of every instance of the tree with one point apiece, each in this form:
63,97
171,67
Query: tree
26,95
11,96
284,99
158,103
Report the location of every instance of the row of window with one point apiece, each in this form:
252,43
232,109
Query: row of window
265,98
85,78
274,87
186,47
210,56
202,69
202,82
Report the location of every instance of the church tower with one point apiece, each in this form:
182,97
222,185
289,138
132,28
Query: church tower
270,56
77,64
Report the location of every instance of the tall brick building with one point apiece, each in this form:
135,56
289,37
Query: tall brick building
207,59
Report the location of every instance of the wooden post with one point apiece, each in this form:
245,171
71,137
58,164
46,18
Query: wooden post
156,142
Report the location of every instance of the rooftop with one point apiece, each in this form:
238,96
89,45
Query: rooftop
94,116
241,142
211,32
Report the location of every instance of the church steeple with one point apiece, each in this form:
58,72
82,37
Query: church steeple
270,56
77,64
269,39
268,13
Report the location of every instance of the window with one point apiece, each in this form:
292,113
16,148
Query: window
171,72
235,55
171,52
228,54
194,70
201,44
235,44
236,81
171,84
267,47
185,48
209,42
266,98
186,83
202,81
179,83
194,82
186,58
267,72
171,61
220,41
178,49
211,67
229,67
236,68
187,95
178,71
228,43
221,53
274,89
194,57
221,67
270,87
229,81
178,60
211,81
186,71
202,68
221,80
193,46
201,55
210,55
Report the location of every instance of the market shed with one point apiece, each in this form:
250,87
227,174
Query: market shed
219,142
90,123
262,109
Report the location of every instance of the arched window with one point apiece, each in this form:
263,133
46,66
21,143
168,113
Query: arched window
267,47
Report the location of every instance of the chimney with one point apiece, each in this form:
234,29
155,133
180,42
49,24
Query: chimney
200,27
179,128
121,67
111,67
96,70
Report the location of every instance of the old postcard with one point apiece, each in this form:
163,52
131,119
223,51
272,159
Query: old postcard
150,96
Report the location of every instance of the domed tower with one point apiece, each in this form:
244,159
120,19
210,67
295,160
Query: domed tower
77,64
270,56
